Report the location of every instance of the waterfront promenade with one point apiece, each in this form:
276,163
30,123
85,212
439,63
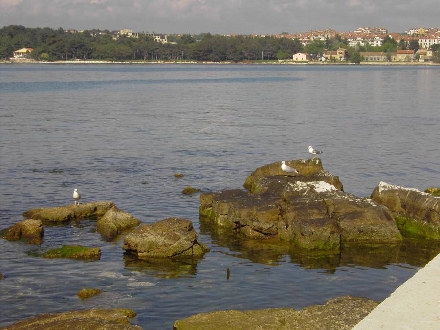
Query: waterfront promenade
414,305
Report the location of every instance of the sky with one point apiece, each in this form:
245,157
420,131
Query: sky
221,16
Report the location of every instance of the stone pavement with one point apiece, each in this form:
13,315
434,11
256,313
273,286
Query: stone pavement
414,305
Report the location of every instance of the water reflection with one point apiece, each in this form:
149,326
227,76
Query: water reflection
162,268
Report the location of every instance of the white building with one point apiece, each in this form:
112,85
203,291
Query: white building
428,41
301,57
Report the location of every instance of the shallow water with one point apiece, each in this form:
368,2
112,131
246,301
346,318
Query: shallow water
120,132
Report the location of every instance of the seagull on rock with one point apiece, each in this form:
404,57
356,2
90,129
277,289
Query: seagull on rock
288,169
76,196
313,151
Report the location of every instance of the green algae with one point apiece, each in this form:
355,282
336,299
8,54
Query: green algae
410,228
74,252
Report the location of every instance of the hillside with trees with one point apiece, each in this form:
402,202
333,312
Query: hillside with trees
57,44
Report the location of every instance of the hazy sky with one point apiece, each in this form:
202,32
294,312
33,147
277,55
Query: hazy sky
221,16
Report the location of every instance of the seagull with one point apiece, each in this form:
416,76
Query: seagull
76,196
288,169
313,151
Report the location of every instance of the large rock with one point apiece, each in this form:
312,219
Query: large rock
168,238
30,231
417,213
114,222
338,314
91,319
69,212
312,214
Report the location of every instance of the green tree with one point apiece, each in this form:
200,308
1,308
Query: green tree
402,44
414,45
356,58
436,53
316,48
389,45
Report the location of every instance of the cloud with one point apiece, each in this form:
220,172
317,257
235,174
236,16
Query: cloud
221,16
8,4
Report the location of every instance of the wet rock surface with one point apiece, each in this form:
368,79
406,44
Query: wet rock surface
338,313
167,238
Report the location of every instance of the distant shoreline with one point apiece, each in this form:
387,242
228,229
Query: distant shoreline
21,62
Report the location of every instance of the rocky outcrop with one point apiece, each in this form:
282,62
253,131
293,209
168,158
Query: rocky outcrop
114,222
299,209
338,314
168,238
417,213
92,319
69,212
30,231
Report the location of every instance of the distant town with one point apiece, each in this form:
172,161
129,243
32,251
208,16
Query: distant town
365,44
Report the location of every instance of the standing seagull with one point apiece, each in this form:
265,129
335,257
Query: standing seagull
314,151
76,196
288,169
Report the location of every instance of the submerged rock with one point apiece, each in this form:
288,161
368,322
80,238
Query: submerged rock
30,231
306,209
190,190
91,319
417,213
168,238
114,222
69,212
74,252
338,314
87,293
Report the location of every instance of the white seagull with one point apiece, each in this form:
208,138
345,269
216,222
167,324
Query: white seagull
313,151
76,196
288,169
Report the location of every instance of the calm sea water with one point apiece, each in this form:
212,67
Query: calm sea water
120,132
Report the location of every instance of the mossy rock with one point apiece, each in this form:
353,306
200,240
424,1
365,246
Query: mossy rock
87,293
74,252
178,175
190,190
411,228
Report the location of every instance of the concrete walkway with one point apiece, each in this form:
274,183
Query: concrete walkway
414,305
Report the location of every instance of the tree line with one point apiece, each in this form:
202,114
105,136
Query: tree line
57,44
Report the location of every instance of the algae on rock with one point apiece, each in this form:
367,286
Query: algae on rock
74,252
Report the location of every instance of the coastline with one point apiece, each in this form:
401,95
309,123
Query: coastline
76,62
